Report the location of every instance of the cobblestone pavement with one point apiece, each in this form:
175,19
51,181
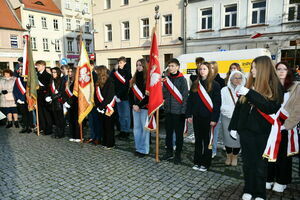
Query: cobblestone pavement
33,167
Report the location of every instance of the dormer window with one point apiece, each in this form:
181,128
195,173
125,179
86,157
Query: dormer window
39,3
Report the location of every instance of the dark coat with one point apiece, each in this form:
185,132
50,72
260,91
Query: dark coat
196,107
43,91
220,80
246,116
16,91
121,90
107,92
59,98
133,100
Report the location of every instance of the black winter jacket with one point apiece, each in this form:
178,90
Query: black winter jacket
121,90
107,92
140,83
246,116
196,107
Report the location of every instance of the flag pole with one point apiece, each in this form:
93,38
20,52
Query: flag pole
37,119
80,46
157,16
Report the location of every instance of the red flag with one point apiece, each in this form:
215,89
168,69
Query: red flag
256,35
153,84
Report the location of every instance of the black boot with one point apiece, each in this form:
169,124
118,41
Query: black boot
177,159
17,124
9,124
168,155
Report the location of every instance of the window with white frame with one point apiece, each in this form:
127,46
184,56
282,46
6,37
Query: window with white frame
31,20
294,10
70,44
167,24
108,33
33,42
14,41
258,12
107,4
57,45
67,4
44,22
55,24
125,2
125,30
86,7
77,25
145,28
88,45
87,27
206,19
68,23
230,16
77,6
45,44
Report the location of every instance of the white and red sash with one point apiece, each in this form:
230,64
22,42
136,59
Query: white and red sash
211,139
173,90
293,145
120,77
205,97
41,84
99,95
69,92
20,86
137,92
53,89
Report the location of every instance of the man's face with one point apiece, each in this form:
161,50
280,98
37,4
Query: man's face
173,68
121,64
40,67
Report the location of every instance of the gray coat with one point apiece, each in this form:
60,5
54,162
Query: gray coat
171,105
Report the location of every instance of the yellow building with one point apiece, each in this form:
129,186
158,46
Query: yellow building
123,28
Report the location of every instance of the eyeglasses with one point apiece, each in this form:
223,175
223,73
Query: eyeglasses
236,78
281,69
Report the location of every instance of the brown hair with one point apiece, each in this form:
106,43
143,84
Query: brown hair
216,68
289,79
122,58
143,62
266,81
7,71
210,79
229,71
40,62
199,60
102,73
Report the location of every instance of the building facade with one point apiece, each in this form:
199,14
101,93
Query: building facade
77,15
123,28
11,32
44,21
244,24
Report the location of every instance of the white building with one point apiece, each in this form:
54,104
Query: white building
123,28
46,29
214,25
77,14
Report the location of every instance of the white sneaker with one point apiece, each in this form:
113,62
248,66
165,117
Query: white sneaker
203,169
247,196
213,154
76,140
196,167
258,198
278,187
269,185
71,140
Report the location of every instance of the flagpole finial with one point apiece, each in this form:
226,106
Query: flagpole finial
157,15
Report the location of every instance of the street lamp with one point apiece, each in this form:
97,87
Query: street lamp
28,26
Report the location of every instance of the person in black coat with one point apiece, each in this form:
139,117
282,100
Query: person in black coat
262,94
105,102
203,115
55,99
19,92
44,111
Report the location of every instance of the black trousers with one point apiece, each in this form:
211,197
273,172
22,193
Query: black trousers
45,118
27,117
108,131
174,122
59,120
254,165
202,154
73,121
281,170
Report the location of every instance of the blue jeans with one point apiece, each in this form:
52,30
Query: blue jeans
216,134
124,116
94,124
141,135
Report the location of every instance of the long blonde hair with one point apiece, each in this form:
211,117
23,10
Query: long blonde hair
216,68
266,81
210,78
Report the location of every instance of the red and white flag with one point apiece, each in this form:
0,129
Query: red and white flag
153,84
256,35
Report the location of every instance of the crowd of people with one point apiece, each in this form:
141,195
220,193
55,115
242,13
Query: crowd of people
239,107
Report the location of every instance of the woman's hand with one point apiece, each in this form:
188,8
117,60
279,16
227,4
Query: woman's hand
136,108
213,123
